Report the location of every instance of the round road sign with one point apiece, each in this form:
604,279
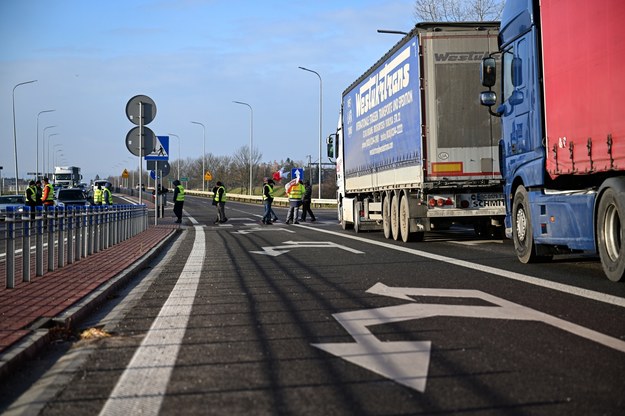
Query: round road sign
140,106
133,141
163,168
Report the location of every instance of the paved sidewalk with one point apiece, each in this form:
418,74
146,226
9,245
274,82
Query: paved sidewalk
30,311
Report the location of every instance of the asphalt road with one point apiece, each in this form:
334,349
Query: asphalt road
243,318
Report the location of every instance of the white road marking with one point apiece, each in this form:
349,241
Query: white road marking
407,362
477,242
289,245
256,229
572,290
142,386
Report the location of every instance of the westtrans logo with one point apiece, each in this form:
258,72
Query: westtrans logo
460,56
391,79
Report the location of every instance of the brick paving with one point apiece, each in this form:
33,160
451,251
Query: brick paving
45,297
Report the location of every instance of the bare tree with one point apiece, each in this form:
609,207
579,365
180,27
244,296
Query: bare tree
457,10
241,166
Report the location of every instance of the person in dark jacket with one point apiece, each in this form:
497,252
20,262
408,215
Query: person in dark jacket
31,198
267,201
306,201
39,192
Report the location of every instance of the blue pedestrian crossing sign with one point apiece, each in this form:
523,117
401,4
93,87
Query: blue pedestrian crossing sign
160,149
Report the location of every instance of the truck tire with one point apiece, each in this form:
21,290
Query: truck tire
522,233
404,220
610,233
386,216
395,217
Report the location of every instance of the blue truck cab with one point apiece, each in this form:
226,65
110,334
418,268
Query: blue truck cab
555,171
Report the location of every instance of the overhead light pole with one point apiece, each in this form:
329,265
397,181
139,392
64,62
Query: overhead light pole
320,119
178,137
51,173
15,133
43,149
56,152
203,151
251,138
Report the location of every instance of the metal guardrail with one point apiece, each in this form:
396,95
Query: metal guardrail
70,233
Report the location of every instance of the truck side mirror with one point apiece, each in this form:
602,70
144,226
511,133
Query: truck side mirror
330,145
489,99
488,72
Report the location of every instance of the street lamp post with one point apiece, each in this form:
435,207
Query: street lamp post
56,152
178,137
320,119
15,133
251,138
58,144
203,150
43,149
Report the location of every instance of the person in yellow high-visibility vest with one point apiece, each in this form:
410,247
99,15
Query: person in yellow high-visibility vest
295,192
98,195
47,195
107,195
219,199
178,200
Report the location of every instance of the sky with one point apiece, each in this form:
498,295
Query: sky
193,58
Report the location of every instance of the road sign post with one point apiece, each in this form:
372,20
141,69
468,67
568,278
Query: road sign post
140,110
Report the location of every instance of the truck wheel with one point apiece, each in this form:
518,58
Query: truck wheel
395,217
404,220
610,234
386,216
522,234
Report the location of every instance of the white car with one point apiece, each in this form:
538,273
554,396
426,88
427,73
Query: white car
15,201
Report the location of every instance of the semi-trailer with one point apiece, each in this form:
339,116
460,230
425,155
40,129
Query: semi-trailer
414,150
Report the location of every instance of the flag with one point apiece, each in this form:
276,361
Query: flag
279,175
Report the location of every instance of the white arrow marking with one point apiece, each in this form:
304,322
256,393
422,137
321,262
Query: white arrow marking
289,245
259,229
407,362
404,362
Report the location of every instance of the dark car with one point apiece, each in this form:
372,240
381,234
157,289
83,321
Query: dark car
71,197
